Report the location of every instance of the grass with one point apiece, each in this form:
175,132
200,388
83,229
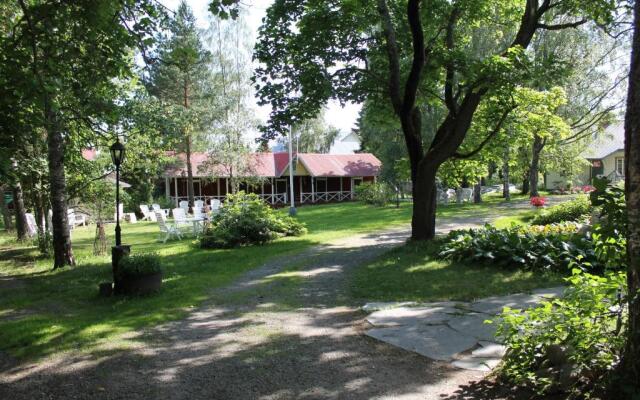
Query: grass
414,273
44,311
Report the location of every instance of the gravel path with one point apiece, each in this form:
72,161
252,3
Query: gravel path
283,331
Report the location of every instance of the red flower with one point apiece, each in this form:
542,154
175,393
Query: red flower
538,201
588,188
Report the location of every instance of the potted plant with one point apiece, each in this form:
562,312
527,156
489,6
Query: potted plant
139,274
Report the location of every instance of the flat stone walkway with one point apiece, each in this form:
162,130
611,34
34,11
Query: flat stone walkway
454,332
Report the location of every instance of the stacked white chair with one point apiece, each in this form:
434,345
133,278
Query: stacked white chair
32,227
185,206
198,204
168,230
156,207
147,215
215,206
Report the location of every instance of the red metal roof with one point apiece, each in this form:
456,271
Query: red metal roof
360,164
275,164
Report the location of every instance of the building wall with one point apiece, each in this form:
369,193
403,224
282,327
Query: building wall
609,162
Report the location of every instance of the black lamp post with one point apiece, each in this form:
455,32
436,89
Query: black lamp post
117,156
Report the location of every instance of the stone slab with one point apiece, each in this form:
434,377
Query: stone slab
550,292
494,305
411,316
377,306
489,350
438,342
474,325
474,364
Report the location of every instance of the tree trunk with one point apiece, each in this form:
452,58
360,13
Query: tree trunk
534,169
6,214
18,207
506,192
188,143
525,183
631,358
189,173
477,192
423,220
62,252
39,215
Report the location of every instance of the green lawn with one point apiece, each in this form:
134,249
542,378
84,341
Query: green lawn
44,311
414,273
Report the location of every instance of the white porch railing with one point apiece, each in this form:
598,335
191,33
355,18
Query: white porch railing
325,196
277,198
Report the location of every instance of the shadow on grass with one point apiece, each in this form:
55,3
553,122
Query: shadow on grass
66,312
414,273
227,355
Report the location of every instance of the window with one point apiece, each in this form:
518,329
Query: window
321,185
620,165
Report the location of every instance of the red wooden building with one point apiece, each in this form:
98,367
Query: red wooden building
317,177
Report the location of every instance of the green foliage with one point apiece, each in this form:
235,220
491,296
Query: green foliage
574,210
245,219
610,201
139,265
164,202
377,194
566,344
556,248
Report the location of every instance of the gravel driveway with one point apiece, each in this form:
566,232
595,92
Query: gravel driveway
283,331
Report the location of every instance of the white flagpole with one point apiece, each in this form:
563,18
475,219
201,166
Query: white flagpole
292,209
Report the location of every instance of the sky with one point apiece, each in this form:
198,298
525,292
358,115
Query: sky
337,116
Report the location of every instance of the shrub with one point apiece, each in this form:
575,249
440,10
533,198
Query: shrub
574,210
164,202
378,194
538,201
566,344
555,247
610,203
139,265
246,219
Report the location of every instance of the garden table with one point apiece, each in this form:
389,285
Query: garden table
197,223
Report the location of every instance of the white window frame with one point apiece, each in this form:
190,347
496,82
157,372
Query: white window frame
620,170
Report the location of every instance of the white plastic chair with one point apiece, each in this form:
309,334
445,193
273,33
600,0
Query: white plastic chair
199,204
180,219
198,213
215,206
168,230
156,207
185,206
73,220
147,215
32,227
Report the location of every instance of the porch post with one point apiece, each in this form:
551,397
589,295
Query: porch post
351,188
175,185
227,181
167,187
340,186
218,187
313,191
273,190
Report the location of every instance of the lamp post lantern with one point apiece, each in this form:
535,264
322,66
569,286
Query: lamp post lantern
117,156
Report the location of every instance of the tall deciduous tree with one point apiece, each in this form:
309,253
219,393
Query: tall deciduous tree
228,146
313,51
631,360
179,75
64,59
